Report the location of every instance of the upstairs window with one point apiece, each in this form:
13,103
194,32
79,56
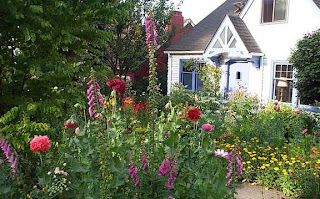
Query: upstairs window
274,10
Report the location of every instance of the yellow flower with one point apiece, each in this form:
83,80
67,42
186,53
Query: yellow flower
249,167
239,152
276,168
215,141
267,165
287,162
249,152
318,161
285,173
34,186
271,161
276,148
303,164
28,196
290,170
280,163
243,162
293,159
248,162
254,158
308,162
262,167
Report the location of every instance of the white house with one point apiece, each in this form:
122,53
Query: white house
251,42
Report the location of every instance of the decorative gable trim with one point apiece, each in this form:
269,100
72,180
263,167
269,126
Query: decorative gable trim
246,8
226,41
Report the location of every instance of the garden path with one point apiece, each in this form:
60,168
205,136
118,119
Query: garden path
248,191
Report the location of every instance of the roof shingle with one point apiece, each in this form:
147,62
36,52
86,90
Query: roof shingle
245,34
199,37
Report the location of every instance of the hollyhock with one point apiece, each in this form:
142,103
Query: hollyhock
11,156
304,131
194,114
40,143
69,125
207,127
118,85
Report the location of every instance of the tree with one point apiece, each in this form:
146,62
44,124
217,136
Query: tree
126,51
306,61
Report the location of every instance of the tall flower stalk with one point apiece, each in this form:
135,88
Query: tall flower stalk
151,41
12,156
94,96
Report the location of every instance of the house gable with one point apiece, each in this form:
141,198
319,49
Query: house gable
232,39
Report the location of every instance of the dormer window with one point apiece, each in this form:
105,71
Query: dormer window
274,10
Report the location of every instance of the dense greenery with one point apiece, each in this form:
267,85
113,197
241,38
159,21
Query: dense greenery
306,60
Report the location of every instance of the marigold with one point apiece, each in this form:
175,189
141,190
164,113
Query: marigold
40,143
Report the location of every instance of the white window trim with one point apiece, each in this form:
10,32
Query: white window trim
274,22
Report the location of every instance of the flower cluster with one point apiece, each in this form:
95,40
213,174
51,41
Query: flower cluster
276,106
94,96
229,156
144,162
194,114
40,143
11,156
168,168
118,85
128,102
60,182
133,174
150,26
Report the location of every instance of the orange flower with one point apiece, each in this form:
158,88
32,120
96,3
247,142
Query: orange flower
312,156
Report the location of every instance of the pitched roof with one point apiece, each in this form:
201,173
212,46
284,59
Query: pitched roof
317,2
245,34
198,38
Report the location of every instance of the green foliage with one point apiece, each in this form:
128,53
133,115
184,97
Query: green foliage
306,61
210,76
179,96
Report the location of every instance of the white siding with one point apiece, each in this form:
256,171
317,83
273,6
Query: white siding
277,39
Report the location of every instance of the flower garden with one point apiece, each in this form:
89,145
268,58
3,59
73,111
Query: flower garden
186,145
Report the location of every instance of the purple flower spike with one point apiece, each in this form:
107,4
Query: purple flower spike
12,157
94,96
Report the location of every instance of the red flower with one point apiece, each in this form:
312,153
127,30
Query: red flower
207,127
194,114
70,125
40,143
117,85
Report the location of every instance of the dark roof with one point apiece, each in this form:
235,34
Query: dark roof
245,34
199,37
317,2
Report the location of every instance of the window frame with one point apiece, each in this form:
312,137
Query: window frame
273,13
287,79
194,73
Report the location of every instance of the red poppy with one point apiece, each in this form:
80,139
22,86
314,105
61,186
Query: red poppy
118,85
70,125
194,114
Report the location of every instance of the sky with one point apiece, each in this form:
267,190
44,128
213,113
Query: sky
196,10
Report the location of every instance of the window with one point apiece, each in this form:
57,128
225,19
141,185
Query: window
189,75
238,75
274,10
283,82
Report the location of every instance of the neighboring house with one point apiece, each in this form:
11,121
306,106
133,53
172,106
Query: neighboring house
251,42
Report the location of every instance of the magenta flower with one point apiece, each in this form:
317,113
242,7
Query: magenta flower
276,108
168,168
207,127
276,103
298,112
133,171
11,156
144,162
170,197
151,26
304,131
94,96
